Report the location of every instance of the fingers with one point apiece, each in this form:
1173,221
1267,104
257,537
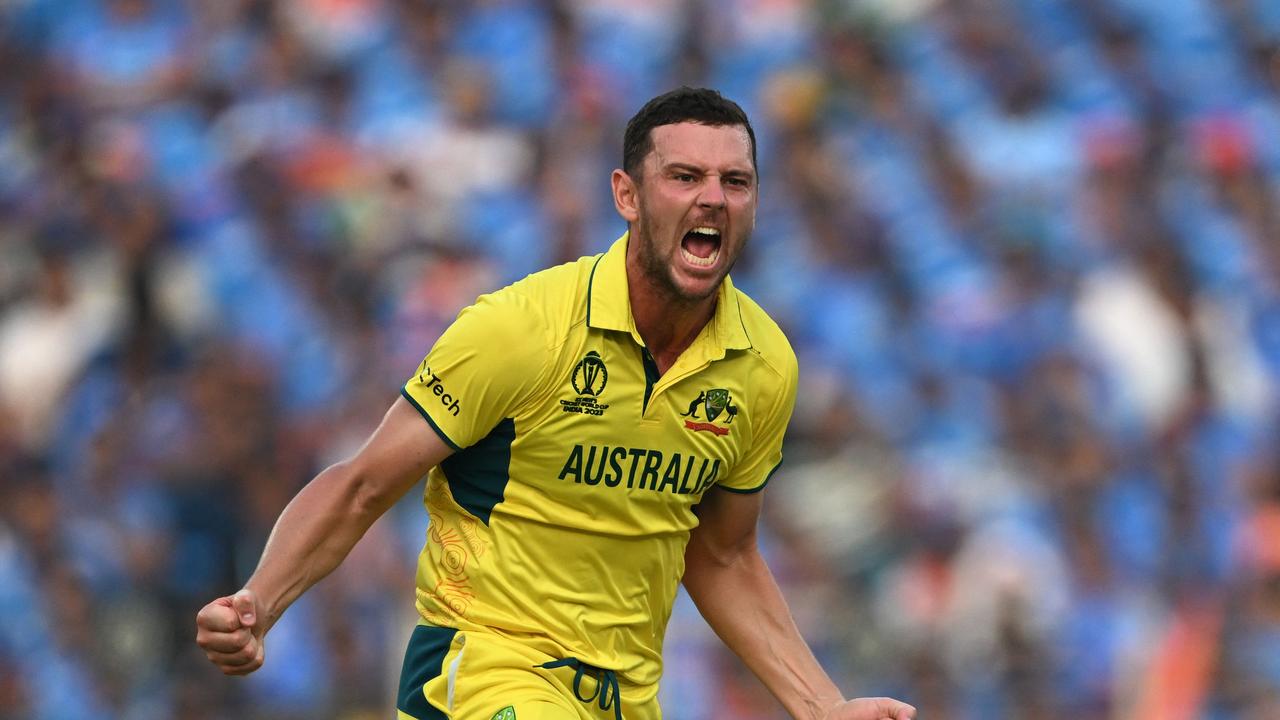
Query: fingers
896,710
873,708
226,631
235,658
245,606
218,616
224,642
234,653
884,708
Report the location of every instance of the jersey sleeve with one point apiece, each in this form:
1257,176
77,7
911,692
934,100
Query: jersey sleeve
768,427
486,365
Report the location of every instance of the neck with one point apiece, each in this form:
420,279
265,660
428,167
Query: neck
668,325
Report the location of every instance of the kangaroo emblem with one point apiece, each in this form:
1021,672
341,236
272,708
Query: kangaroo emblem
693,406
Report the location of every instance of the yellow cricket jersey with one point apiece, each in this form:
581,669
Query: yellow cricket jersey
561,520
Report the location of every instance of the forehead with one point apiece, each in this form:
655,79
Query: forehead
711,146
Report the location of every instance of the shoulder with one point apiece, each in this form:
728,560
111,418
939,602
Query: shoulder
553,299
768,341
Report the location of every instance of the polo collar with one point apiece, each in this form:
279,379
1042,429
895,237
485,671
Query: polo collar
609,305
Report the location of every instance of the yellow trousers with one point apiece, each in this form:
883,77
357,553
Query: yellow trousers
461,675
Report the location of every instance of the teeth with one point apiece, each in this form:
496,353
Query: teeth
706,231
701,262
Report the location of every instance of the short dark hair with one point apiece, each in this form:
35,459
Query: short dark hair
684,104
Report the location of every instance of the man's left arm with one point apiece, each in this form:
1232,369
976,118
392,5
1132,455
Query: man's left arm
734,590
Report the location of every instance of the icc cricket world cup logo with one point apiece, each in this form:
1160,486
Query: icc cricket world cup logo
590,375
588,380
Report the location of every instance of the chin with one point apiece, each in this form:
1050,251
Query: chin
697,290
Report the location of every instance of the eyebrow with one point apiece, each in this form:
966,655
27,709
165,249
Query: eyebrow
699,170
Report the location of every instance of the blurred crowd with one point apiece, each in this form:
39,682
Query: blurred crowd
1028,253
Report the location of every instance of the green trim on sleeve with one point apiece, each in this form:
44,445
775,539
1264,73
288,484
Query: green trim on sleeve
405,392
756,489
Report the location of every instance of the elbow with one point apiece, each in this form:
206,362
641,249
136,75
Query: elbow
367,495
711,569
722,556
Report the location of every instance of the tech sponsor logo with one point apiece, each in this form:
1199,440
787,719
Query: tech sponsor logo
714,403
640,469
589,378
436,385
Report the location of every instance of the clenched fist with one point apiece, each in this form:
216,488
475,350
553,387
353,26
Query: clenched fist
230,631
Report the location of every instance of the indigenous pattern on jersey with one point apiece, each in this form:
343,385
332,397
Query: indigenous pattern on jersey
561,520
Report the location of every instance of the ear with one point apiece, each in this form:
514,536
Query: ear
626,196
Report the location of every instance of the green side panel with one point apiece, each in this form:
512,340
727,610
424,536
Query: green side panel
478,475
423,662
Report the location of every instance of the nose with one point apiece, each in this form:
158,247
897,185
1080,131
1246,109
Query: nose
712,194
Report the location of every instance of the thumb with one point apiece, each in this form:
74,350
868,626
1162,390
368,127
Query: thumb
246,607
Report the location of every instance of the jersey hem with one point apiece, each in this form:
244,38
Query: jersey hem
432,423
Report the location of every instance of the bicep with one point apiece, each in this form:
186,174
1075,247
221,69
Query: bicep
402,449
726,525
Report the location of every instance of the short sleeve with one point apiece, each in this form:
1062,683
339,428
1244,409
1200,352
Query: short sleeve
482,369
763,456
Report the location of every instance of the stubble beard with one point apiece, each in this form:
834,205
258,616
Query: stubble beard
660,275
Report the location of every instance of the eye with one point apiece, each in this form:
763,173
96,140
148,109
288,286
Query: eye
683,177
737,181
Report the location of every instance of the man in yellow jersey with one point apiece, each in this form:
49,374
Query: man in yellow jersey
595,434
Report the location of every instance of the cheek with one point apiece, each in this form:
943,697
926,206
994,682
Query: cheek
659,220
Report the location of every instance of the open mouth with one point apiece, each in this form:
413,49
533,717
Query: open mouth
701,246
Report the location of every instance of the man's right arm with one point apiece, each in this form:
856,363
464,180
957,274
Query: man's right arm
316,531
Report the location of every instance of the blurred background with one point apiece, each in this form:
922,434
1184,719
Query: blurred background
1026,250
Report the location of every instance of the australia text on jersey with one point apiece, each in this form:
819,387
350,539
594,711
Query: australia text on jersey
655,470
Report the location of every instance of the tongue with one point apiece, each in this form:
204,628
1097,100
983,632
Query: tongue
700,245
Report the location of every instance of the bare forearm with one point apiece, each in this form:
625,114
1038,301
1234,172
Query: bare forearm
312,536
742,603
315,532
